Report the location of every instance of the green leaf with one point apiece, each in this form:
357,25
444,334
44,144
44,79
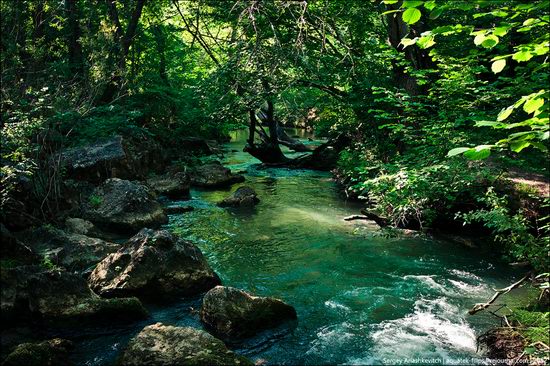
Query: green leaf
522,56
436,13
411,15
457,151
430,5
500,31
478,153
406,42
533,105
479,39
490,41
488,124
517,146
412,3
426,41
498,66
391,2
505,113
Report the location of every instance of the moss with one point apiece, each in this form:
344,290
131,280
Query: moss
52,352
533,325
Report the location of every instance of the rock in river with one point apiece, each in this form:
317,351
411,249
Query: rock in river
125,206
214,175
154,263
172,185
233,313
160,344
242,197
58,298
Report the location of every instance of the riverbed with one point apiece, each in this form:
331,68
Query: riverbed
362,296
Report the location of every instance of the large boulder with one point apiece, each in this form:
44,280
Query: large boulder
214,175
75,252
98,161
242,197
80,226
172,185
113,157
154,263
58,298
160,344
51,352
124,206
233,313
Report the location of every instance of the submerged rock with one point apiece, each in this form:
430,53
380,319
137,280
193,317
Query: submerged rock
174,185
58,298
121,205
214,175
52,352
154,263
160,344
171,210
242,197
230,312
74,252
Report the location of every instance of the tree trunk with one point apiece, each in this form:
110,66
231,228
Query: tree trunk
122,48
73,38
397,29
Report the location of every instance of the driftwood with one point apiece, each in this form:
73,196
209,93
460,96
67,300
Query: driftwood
482,306
356,217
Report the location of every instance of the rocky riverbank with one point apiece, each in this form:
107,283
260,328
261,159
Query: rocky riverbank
110,256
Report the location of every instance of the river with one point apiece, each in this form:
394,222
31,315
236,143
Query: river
362,297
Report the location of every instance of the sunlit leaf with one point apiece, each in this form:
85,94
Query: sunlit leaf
490,41
519,145
411,15
522,56
457,151
533,104
505,113
498,66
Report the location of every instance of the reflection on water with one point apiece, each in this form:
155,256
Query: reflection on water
360,298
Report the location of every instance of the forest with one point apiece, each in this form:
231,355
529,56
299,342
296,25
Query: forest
214,182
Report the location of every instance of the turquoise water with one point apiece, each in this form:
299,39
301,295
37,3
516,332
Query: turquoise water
361,297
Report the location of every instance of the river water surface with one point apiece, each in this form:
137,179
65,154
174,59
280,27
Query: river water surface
361,297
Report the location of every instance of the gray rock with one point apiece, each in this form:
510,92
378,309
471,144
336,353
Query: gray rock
242,197
113,157
174,185
51,352
75,252
213,175
160,344
98,161
58,298
233,313
153,263
123,206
